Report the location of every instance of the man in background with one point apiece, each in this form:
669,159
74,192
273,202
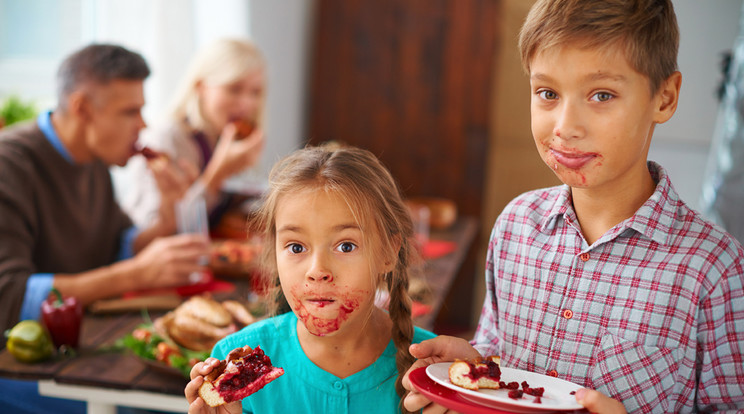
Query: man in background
60,225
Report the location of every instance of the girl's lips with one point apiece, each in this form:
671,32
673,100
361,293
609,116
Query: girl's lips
573,160
321,302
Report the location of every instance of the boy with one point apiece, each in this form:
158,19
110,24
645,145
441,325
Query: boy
609,281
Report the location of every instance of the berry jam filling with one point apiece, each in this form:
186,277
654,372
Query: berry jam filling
536,392
515,394
514,385
250,368
491,370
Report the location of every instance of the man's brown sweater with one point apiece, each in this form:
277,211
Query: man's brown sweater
55,216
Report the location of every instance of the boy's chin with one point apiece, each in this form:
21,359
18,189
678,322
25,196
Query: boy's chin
573,179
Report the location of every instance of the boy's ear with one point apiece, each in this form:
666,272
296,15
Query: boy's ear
668,97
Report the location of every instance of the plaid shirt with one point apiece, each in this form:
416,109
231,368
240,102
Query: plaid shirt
651,314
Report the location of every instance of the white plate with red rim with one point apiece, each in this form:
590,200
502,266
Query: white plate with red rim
557,396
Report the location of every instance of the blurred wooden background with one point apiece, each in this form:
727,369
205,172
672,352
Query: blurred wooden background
411,81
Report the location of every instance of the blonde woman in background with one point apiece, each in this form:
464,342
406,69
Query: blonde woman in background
225,86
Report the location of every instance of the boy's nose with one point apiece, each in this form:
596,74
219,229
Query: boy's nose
568,123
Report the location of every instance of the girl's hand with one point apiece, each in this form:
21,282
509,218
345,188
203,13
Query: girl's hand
232,155
196,404
598,403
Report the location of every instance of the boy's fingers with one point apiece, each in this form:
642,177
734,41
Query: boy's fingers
414,401
598,403
406,382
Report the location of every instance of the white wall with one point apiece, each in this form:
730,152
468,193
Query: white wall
283,30
707,29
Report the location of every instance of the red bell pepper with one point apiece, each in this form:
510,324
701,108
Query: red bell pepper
62,317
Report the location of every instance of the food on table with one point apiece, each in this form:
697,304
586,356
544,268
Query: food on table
476,373
242,373
234,257
148,344
62,318
28,341
239,312
244,127
199,322
442,211
186,335
234,252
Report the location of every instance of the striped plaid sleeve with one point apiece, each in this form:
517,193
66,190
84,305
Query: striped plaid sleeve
486,340
721,335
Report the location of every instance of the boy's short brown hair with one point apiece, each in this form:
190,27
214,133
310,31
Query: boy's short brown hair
646,29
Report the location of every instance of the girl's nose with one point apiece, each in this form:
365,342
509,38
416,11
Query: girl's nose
327,277
319,271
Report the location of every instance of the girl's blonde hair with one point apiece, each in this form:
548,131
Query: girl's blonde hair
224,61
374,199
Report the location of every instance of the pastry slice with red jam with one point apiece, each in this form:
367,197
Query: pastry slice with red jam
476,373
242,373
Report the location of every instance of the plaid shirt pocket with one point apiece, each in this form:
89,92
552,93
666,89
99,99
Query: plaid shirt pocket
642,377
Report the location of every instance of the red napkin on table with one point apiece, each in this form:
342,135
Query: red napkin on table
208,284
437,248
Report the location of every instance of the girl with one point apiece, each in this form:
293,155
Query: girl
336,230
226,82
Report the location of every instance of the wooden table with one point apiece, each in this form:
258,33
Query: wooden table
440,273
107,379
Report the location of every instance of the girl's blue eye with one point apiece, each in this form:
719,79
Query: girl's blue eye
296,248
347,247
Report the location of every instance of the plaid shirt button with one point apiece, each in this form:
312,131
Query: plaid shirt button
584,256
553,373
568,314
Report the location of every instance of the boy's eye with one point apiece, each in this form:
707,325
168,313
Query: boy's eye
547,94
296,248
347,247
602,96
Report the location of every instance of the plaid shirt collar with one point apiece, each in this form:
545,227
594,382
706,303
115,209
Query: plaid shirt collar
653,220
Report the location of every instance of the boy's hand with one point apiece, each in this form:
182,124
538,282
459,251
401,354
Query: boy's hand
440,349
598,403
196,404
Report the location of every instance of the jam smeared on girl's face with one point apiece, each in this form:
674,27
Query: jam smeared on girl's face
324,264
323,313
